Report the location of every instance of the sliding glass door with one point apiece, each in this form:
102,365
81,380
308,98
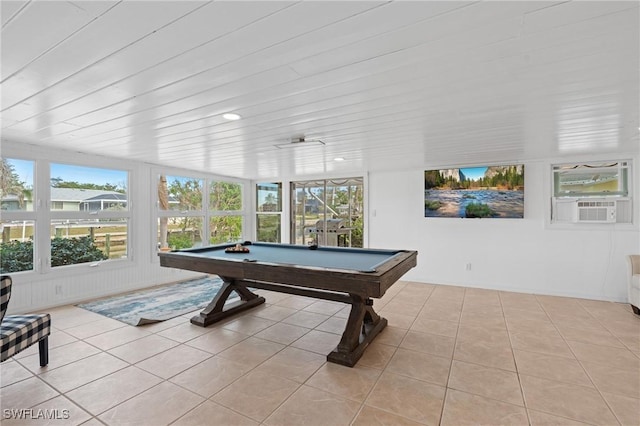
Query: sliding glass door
328,212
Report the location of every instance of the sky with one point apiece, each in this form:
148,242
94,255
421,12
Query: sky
24,170
474,173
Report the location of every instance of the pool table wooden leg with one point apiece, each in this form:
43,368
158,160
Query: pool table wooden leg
362,327
216,311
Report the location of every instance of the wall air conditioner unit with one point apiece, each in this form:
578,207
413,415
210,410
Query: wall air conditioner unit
595,211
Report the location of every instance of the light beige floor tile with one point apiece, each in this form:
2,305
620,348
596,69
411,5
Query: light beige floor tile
217,340
614,380
184,332
377,355
621,358
318,342
94,328
295,302
626,409
117,337
256,395
73,318
293,364
12,372
210,413
344,312
429,343
440,312
351,383
313,407
159,405
306,319
486,381
333,325
485,354
398,320
441,328
551,367
545,419
492,335
541,343
543,328
370,416
391,336
143,348
274,312
566,400
538,314
282,333
82,372
461,408
323,307
483,320
419,365
93,422
399,307
248,324
56,338
406,397
173,361
25,394
252,351
211,375
62,355
109,391
522,301
595,337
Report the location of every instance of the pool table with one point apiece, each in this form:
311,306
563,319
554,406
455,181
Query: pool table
347,275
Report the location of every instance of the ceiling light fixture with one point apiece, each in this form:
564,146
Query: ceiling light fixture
338,159
231,116
300,142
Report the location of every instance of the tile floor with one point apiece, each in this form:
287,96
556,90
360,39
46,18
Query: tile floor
450,356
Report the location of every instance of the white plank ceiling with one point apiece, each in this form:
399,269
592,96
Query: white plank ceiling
385,85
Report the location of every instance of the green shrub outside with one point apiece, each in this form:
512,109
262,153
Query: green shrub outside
16,256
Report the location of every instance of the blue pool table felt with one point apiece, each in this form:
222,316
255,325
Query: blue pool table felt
361,260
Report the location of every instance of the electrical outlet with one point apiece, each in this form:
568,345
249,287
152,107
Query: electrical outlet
468,267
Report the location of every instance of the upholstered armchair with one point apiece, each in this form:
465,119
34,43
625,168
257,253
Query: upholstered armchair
634,282
18,332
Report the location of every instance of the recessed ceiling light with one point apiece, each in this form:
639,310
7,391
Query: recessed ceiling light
231,116
338,159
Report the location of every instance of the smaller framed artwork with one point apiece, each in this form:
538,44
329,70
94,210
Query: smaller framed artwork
475,192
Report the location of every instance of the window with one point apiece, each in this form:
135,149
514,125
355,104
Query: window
603,179
225,201
18,215
328,212
269,212
191,208
89,214
596,192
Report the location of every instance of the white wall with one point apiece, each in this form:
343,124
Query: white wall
523,255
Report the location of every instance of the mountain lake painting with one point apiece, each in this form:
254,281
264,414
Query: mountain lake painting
475,192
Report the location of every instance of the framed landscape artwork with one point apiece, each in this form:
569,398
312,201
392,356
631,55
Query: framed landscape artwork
475,192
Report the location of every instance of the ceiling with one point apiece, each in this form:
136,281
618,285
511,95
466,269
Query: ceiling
384,85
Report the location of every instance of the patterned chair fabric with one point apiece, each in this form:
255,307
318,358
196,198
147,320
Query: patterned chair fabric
18,332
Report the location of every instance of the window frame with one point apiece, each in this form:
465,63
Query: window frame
206,213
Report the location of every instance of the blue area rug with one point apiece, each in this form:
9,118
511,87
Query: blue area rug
158,303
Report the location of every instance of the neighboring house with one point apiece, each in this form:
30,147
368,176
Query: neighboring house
72,199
